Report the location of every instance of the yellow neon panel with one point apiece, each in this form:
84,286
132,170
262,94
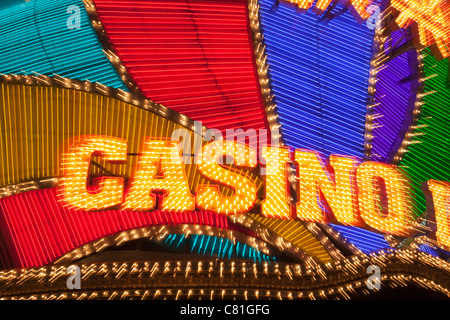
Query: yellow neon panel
39,123
295,232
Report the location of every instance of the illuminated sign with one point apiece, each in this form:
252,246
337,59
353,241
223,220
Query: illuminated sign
368,194
357,7
431,18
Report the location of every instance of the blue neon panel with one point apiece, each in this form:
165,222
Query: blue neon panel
319,75
427,249
35,38
364,240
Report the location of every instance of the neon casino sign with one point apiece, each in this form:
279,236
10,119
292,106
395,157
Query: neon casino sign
342,189
364,194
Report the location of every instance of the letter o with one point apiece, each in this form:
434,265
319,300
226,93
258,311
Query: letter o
400,216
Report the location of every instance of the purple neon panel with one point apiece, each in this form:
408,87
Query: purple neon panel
395,95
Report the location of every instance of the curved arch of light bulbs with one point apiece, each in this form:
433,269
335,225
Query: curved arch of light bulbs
217,280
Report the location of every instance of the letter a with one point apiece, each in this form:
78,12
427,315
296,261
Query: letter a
177,195
74,280
74,21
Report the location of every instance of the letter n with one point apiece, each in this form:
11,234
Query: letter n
316,184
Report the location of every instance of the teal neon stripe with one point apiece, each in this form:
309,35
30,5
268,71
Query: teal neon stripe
35,38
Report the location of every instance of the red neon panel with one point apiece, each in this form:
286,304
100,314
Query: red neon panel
37,229
194,56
